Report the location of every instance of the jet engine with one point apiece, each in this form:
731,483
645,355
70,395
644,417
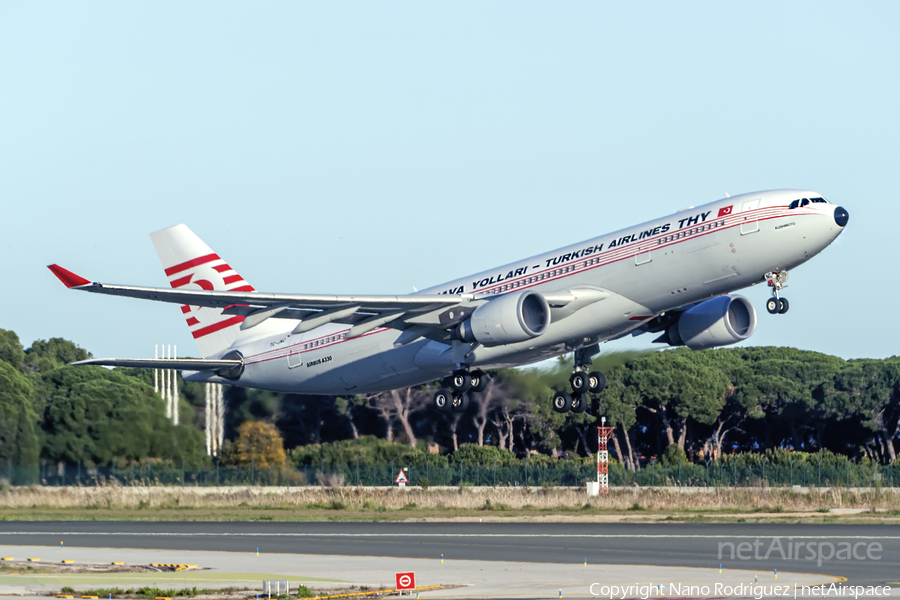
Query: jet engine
715,322
507,319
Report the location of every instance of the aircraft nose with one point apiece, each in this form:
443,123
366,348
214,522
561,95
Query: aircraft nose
841,216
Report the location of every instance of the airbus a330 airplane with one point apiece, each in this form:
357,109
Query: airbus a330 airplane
669,276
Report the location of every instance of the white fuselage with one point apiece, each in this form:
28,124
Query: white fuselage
641,272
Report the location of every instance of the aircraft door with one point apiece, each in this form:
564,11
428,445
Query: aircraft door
643,255
295,359
750,216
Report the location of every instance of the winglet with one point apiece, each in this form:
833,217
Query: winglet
69,278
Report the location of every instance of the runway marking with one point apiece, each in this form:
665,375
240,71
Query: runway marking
454,535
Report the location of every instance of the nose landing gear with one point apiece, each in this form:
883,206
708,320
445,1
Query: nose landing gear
777,280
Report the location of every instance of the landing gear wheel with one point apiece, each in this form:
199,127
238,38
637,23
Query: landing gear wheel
783,306
479,381
597,382
777,280
460,382
580,382
579,403
443,399
562,402
460,403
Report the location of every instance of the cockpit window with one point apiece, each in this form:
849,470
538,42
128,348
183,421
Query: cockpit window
806,201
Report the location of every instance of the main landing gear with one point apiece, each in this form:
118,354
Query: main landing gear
582,383
777,281
456,390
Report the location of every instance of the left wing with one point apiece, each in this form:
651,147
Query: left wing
363,312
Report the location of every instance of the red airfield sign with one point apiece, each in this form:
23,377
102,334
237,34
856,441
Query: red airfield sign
406,581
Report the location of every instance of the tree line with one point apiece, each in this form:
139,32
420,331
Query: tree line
673,405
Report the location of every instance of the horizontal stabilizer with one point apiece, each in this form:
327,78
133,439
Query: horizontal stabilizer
181,364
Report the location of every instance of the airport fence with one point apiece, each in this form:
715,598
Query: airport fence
569,473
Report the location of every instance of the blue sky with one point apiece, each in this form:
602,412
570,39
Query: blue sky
373,147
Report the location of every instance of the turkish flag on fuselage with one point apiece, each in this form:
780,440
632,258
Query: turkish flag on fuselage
724,212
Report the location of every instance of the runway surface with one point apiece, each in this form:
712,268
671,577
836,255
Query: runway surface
676,544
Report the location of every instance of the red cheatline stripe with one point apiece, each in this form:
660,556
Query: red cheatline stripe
193,321
232,279
202,260
222,268
243,288
182,281
216,327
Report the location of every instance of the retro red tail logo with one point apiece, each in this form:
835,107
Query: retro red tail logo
190,264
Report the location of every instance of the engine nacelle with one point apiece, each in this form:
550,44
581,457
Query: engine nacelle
715,322
507,319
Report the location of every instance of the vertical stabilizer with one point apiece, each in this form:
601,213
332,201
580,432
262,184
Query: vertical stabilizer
190,263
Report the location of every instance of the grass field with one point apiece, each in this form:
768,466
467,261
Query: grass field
366,504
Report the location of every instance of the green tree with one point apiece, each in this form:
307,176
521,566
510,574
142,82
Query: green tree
619,405
94,415
368,450
678,387
865,397
19,446
11,351
46,355
774,386
473,454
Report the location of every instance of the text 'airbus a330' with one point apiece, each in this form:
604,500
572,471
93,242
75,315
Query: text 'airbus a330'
670,276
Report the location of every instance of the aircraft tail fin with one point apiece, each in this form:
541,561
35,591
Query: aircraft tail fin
190,263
